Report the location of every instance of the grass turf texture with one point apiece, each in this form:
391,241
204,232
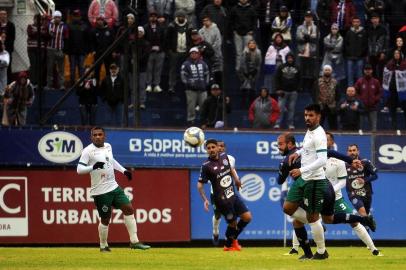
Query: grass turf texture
195,258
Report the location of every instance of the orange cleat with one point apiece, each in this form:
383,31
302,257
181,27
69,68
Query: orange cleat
230,248
236,245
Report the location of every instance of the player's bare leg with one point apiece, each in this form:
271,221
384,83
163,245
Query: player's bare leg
103,234
290,208
131,224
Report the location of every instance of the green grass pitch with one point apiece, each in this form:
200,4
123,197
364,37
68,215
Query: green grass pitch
195,258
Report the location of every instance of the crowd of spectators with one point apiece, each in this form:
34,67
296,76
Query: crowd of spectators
348,55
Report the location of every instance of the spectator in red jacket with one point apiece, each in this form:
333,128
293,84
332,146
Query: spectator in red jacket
264,111
106,8
370,93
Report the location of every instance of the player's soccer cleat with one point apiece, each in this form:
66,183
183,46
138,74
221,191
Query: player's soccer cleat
377,253
139,245
236,245
370,222
230,248
105,249
215,239
292,252
318,256
305,257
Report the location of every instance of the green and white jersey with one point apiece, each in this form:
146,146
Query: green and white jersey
314,141
336,173
102,180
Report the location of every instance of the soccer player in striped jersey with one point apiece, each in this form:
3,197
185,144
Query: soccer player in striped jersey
98,161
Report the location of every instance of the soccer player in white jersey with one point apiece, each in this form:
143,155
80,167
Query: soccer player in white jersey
336,173
216,219
97,159
311,181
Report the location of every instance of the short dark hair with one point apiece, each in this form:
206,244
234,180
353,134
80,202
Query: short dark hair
97,127
313,107
331,135
353,144
209,141
289,137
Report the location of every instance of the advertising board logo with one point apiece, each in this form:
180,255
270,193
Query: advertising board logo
13,206
60,147
135,145
253,187
392,154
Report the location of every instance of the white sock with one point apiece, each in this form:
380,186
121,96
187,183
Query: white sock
131,225
300,214
216,224
295,242
364,236
103,233
318,236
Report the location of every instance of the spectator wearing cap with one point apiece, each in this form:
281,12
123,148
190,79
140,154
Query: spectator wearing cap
282,24
307,38
377,45
212,110
18,97
155,35
342,12
161,7
333,53
78,44
350,109
9,29
177,42
112,93
267,10
195,75
219,15
274,57
370,93
327,96
264,110
355,50
57,44
37,54
187,7
242,21
249,72
101,37
287,85
208,55
106,8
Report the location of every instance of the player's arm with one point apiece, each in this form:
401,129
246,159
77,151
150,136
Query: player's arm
340,156
117,166
236,178
341,176
200,187
83,167
283,173
371,171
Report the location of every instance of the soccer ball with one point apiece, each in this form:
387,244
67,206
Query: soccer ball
194,136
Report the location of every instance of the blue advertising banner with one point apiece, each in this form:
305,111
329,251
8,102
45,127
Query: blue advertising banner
252,150
41,147
268,218
390,153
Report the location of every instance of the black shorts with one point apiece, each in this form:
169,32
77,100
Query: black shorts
361,201
328,201
233,209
